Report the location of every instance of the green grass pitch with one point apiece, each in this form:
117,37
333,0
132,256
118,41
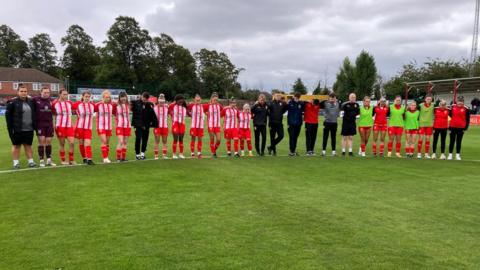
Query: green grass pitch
248,213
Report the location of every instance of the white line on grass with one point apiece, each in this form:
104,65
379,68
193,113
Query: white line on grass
169,159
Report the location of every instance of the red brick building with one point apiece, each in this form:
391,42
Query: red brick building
33,79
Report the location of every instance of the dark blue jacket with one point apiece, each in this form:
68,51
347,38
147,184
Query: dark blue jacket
295,112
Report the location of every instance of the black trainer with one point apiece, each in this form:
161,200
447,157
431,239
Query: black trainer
90,162
84,161
270,150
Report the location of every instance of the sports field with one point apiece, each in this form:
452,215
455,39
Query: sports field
249,213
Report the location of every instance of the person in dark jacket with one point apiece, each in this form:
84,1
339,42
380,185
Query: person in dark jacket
143,118
20,119
44,126
295,121
349,128
260,113
276,109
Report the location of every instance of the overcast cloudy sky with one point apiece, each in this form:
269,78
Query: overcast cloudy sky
276,41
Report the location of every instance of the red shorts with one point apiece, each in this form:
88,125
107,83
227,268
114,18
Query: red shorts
395,130
245,134
214,130
426,131
178,128
231,133
380,128
126,132
65,132
196,132
160,131
362,129
412,131
106,132
83,134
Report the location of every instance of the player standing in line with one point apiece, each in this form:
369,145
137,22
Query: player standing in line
123,127
426,126
411,128
62,109
331,109
178,111
104,110
350,111
245,134
460,120
213,111
83,129
161,132
380,113
395,126
440,128
195,111
365,124
312,108
44,126
230,127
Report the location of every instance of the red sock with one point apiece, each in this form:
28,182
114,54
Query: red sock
398,146
70,155
174,147
217,144
419,146
62,155
104,151
427,147
88,152
192,146
212,146
199,145
124,153
382,146
363,146
390,146
181,147
119,153
164,150
82,150
229,146
242,145
249,145
155,152
374,148
407,149
235,145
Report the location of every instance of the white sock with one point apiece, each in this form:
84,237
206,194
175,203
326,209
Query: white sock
16,162
30,160
142,154
343,150
323,152
334,152
350,150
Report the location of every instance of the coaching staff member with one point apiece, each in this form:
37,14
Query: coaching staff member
260,114
20,119
143,118
276,109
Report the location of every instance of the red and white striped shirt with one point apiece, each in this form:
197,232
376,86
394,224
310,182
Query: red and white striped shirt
231,118
214,114
162,115
178,113
244,120
84,114
63,112
122,116
196,113
104,115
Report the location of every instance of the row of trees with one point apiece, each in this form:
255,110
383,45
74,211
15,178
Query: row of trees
130,56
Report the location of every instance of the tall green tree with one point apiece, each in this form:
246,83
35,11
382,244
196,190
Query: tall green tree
345,82
125,51
299,87
365,74
42,54
13,50
217,73
80,57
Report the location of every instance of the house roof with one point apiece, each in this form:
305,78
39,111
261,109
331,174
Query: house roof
8,74
471,84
